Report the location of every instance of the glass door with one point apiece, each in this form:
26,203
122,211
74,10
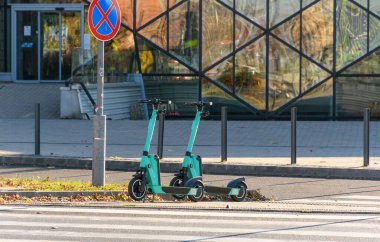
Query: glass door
50,46
71,39
27,45
45,43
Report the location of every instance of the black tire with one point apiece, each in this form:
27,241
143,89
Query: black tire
136,190
201,190
177,182
242,194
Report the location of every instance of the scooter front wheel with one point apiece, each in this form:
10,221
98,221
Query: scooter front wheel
242,192
177,182
199,196
136,190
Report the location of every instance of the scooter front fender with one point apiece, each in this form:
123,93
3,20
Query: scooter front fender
192,181
233,183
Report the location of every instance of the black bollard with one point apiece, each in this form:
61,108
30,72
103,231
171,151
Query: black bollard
160,143
224,134
294,136
37,130
366,124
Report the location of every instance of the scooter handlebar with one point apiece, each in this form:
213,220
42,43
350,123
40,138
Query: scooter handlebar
156,101
200,104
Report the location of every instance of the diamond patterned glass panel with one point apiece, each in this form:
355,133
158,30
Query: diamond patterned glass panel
375,6
290,32
148,10
245,31
363,3
156,61
126,8
374,32
351,33
217,32
369,65
284,74
156,32
278,11
356,93
317,32
184,32
212,93
312,74
250,74
316,103
253,9
306,3
179,89
222,74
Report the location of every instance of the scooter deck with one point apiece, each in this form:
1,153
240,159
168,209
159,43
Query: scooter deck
217,190
180,190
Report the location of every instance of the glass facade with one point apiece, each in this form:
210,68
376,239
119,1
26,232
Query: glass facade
259,57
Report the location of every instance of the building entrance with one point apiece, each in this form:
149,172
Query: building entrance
45,39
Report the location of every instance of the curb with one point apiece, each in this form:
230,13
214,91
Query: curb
30,194
208,168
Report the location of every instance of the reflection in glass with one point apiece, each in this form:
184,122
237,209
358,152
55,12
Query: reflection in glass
290,31
184,32
253,9
217,32
179,89
306,3
312,74
212,93
50,44
374,32
278,11
126,8
245,31
148,10
155,61
351,33
2,39
317,32
369,65
222,74
27,46
250,74
353,94
317,103
284,74
363,3
71,39
375,6
156,32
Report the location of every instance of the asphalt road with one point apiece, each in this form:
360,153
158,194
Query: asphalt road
277,188
110,224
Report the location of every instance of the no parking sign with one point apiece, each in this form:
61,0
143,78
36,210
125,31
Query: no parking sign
104,19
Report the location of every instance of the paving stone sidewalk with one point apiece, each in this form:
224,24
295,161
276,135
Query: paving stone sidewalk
326,144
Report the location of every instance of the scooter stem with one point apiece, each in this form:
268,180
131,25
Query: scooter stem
194,130
151,125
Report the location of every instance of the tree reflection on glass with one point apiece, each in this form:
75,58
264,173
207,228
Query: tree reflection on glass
250,74
284,74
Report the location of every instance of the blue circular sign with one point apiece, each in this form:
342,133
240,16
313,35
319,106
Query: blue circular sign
104,19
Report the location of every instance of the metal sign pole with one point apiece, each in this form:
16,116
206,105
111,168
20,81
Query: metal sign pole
99,148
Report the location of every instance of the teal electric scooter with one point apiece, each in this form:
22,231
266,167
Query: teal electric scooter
192,166
147,178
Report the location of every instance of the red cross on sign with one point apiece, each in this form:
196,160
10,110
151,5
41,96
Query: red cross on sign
104,19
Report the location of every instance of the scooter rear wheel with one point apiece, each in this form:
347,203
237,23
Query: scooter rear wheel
136,190
201,190
177,182
242,193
